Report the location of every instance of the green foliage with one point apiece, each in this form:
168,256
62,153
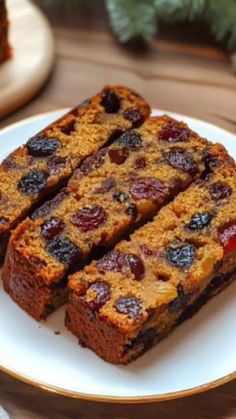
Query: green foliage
171,11
132,18
221,15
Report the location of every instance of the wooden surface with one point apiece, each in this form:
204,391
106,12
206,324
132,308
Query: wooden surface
183,72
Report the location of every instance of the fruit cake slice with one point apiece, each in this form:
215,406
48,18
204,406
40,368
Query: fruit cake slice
123,304
5,51
112,192
42,165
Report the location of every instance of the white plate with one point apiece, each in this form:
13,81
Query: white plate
197,356
33,52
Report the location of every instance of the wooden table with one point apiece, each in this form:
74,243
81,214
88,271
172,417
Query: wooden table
183,72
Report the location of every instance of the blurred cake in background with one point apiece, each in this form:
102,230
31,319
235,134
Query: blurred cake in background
5,50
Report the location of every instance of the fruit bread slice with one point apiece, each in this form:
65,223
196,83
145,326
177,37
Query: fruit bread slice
124,303
42,165
110,194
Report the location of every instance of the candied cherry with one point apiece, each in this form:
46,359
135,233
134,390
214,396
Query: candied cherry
89,218
118,155
227,236
174,133
52,228
148,188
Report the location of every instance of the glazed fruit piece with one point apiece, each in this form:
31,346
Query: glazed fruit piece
5,51
48,159
123,304
105,200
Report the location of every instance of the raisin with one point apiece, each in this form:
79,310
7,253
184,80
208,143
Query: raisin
129,305
56,164
106,185
220,190
148,188
199,221
64,250
146,251
33,182
120,197
132,210
210,159
174,133
131,140
179,158
110,101
93,162
118,155
89,218
103,293
227,236
52,228
113,261
68,128
135,116
3,220
182,256
39,146
136,266
49,206
146,338
180,302
140,163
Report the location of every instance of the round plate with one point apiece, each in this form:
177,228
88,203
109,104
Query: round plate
33,52
176,367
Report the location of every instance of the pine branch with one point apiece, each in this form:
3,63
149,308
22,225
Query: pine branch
132,18
221,14
172,11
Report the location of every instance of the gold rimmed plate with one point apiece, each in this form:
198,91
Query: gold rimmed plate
197,356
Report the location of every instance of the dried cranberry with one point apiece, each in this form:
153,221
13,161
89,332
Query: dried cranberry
180,302
39,146
220,190
148,188
179,158
106,185
135,116
55,164
132,210
33,182
199,221
112,261
174,133
140,163
182,256
120,197
49,206
52,228
3,220
136,266
110,101
89,218
64,250
146,251
129,305
131,140
93,162
227,236
118,155
103,293
68,127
